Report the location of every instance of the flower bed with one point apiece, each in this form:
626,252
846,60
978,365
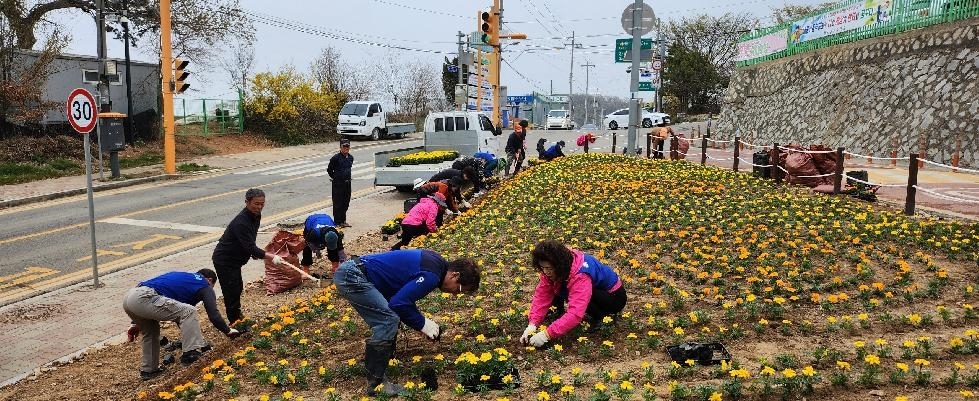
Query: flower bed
814,296
433,157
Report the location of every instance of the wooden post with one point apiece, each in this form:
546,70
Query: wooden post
922,152
674,145
893,151
737,152
870,158
703,149
912,182
613,142
649,141
776,173
838,177
958,151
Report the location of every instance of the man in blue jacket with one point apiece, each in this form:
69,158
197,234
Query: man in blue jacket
384,287
173,297
554,151
320,232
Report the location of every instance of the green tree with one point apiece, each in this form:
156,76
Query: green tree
291,109
691,78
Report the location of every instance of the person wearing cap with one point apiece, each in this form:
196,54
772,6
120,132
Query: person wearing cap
490,162
459,176
320,232
234,248
554,151
421,219
384,289
173,297
566,274
340,169
515,148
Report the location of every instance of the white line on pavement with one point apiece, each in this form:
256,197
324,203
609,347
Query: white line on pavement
162,224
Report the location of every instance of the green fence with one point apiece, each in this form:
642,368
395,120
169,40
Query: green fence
904,15
209,116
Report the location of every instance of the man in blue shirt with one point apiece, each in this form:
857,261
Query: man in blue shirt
384,287
490,162
173,297
320,232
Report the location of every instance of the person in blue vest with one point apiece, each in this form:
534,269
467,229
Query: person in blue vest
384,288
554,151
173,297
565,274
320,232
490,162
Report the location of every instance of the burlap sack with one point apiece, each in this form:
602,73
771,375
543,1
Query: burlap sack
283,278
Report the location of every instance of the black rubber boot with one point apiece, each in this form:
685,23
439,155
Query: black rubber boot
376,357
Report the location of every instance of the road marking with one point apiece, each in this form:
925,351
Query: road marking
162,224
972,195
101,252
139,245
307,167
29,274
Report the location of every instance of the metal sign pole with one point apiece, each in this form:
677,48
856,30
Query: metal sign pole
634,82
91,211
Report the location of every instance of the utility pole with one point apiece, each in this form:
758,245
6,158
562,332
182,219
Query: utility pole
460,88
571,75
105,98
634,116
166,63
495,60
587,66
131,126
659,74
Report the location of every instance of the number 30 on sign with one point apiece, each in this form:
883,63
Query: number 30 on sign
82,113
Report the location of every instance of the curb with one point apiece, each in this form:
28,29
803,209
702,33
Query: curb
72,192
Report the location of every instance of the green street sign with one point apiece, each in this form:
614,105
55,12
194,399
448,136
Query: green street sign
646,87
623,50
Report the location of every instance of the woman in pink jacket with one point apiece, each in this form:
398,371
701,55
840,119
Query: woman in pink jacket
588,285
421,219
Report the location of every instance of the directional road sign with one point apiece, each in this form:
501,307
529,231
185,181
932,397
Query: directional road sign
623,50
82,113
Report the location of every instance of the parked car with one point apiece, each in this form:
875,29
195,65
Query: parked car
620,118
559,119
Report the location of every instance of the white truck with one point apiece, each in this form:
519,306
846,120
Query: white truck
367,118
559,119
466,132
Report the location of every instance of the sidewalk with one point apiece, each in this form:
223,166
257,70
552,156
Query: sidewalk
35,330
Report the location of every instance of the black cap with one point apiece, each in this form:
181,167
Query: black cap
344,142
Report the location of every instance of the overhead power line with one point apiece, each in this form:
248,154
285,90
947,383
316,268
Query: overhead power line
391,3
323,32
532,83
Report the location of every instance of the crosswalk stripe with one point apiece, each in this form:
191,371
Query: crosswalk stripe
270,167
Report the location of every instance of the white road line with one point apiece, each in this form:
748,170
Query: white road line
292,169
270,168
162,224
974,194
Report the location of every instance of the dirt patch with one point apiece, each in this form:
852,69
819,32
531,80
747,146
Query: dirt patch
31,313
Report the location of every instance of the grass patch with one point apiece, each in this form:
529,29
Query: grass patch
17,173
145,159
192,167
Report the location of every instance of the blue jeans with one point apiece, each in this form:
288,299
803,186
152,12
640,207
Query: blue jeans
354,286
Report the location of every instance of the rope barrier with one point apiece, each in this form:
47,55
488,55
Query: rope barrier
948,166
751,144
874,157
719,159
805,151
946,197
752,164
719,141
875,184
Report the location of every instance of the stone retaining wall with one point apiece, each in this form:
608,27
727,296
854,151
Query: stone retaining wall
917,91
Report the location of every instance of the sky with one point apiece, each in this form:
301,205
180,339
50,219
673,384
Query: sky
429,27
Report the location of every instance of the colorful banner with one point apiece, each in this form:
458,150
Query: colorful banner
846,18
762,46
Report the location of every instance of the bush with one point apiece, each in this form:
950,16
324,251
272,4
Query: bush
290,109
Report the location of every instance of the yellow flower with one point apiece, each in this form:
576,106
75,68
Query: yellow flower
555,379
626,385
902,366
808,371
543,396
567,389
768,371
841,365
263,397
788,373
287,395
715,396
165,395
921,362
600,386
208,377
872,359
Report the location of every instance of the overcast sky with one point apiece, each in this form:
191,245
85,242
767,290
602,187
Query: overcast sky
429,27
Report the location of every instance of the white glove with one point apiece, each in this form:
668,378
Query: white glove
539,339
450,213
233,333
277,260
466,204
529,331
431,329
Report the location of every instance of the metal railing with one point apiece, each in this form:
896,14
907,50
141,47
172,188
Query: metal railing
209,116
904,15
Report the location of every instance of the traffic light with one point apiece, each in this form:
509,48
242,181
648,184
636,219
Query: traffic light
179,75
490,26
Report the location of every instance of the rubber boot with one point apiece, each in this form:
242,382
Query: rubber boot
376,358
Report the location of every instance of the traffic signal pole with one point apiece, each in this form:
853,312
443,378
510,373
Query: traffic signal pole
166,61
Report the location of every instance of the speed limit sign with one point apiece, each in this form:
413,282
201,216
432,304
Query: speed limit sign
82,113
657,65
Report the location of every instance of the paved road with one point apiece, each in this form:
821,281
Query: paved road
47,244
